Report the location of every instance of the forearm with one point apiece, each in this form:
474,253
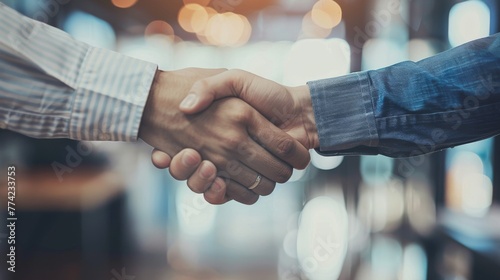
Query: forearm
412,108
52,86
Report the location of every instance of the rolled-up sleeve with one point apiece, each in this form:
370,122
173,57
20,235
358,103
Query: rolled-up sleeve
412,108
52,86
343,111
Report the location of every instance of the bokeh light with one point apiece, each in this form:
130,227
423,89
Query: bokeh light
247,31
414,263
419,49
379,53
311,59
386,257
322,238
213,28
376,169
326,13
325,163
297,175
228,29
90,29
159,28
420,206
477,194
469,20
382,208
193,18
213,31
467,188
311,30
124,3
202,34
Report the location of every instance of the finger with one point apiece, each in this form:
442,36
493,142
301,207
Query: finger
184,164
263,162
160,159
204,92
216,194
203,177
240,193
278,142
247,177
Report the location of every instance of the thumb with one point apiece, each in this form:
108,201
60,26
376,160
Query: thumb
204,92
160,159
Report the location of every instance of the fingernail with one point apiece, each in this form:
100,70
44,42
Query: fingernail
205,171
189,101
189,160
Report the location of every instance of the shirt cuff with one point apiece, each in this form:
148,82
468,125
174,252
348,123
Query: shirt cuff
110,97
344,115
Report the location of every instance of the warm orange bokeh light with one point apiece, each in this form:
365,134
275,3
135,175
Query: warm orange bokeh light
193,18
124,3
199,2
311,30
228,29
161,28
210,11
326,13
215,23
247,32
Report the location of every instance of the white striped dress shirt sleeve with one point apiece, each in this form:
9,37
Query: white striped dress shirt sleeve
52,86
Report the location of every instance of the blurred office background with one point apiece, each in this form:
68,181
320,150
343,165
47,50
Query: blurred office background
114,216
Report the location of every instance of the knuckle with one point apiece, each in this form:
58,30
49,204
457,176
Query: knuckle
284,174
266,190
235,72
240,113
239,74
200,84
219,162
231,143
285,147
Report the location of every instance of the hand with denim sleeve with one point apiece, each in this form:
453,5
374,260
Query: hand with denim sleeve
289,108
241,143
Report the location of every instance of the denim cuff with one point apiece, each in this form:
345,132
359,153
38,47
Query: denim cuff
344,115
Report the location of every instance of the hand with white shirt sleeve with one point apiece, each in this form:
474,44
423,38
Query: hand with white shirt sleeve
289,108
242,145
53,86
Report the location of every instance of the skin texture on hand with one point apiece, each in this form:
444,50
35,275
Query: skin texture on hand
230,134
289,108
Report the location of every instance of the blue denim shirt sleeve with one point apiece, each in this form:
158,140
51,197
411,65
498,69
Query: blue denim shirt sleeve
412,108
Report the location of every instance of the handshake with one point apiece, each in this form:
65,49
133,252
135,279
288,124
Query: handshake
231,134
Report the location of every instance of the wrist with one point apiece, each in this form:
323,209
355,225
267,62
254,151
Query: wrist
302,98
148,108
161,111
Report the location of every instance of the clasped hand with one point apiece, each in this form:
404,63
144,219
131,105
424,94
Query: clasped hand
228,148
